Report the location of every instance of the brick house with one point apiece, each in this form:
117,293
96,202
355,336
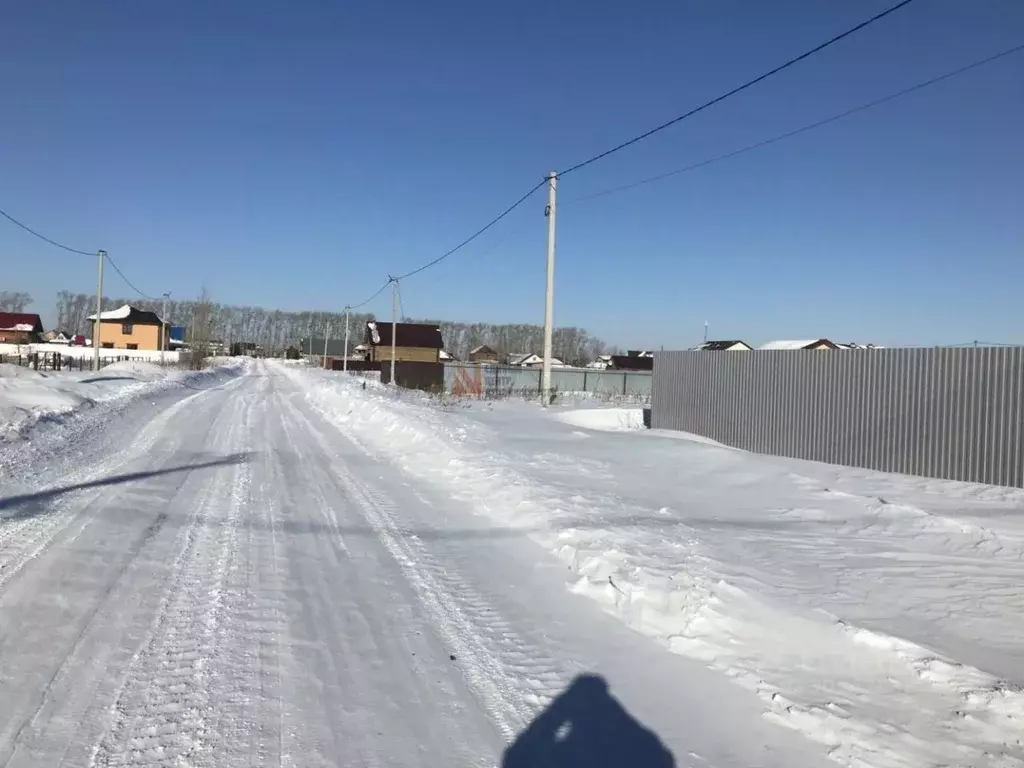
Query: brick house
129,327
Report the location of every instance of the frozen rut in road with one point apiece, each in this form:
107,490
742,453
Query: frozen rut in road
235,582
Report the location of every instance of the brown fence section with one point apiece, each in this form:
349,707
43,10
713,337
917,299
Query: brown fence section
428,377
354,366
948,413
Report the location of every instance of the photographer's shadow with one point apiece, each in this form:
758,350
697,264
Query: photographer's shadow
586,727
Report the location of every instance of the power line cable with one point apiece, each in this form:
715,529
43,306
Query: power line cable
129,282
44,237
479,232
803,129
738,89
374,296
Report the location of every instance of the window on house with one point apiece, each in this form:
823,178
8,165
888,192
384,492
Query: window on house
126,329
132,346
107,345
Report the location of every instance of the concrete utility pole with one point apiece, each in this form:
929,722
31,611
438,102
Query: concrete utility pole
344,363
100,255
394,325
163,328
549,293
327,337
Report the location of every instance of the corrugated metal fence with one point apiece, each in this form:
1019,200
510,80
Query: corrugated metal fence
947,413
503,381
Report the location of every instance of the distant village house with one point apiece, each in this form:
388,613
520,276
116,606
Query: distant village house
129,327
20,328
633,360
531,360
812,344
414,342
483,355
733,345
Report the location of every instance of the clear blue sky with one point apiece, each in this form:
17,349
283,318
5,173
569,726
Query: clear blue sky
292,154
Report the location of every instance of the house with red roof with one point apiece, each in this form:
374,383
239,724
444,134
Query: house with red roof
20,328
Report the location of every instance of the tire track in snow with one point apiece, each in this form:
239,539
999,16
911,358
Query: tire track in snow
27,536
362,657
165,711
102,583
510,676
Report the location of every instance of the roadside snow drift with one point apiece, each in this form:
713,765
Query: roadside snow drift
28,397
879,615
609,419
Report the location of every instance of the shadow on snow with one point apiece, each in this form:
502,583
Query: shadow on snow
586,727
32,504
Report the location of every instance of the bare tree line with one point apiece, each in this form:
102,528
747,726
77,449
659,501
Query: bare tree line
14,301
275,330
570,345
209,321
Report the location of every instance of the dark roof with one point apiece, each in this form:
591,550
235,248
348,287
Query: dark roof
135,317
335,346
11,319
632,363
407,335
717,346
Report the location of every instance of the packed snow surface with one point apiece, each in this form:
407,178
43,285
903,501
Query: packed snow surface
273,564
878,615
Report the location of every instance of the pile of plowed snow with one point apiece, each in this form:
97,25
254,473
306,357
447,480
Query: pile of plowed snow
28,397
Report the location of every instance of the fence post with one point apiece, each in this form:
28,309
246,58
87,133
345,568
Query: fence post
584,379
624,378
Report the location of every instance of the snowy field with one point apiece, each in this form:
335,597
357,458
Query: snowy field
269,564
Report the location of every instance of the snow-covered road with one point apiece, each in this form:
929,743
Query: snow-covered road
220,576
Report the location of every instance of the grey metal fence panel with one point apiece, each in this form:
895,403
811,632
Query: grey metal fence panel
568,380
503,381
947,413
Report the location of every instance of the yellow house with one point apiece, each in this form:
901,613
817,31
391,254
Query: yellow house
130,328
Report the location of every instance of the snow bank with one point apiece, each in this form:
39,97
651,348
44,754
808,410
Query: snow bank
141,370
609,419
866,623
28,397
